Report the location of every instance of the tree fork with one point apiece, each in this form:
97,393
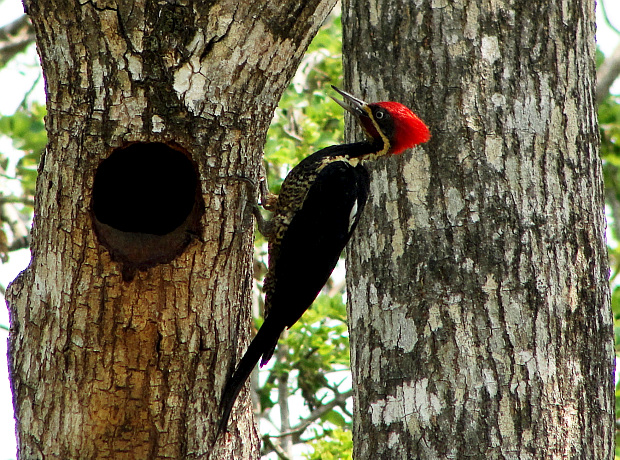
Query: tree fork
134,307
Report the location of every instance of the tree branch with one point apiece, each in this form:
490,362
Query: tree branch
286,443
606,17
340,399
14,38
274,447
28,201
19,228
607,74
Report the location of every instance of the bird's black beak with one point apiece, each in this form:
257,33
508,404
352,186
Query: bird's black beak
350,103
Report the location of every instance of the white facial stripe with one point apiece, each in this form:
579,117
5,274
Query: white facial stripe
352,216
386,141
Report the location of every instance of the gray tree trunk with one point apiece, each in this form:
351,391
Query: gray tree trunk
124,330
479,306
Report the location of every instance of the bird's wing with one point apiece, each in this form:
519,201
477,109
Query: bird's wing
318,232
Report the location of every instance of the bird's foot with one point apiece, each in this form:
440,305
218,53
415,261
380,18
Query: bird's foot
267,201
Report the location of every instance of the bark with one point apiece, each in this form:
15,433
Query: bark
479,309
123,329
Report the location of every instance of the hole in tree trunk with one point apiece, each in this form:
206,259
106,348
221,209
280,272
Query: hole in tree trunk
146,204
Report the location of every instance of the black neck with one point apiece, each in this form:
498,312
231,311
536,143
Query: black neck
364,149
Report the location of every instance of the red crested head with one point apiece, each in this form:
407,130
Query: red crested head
391,122
408,130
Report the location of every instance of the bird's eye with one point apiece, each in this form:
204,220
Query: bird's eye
379,115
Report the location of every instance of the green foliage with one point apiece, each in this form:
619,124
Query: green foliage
26,128
307,119
609,122
317,347
337,445
609,125
617,437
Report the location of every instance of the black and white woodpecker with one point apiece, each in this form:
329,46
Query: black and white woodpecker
319,206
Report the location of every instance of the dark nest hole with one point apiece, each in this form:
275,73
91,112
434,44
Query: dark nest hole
146,204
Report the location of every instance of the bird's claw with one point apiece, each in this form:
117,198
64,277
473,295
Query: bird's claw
267,201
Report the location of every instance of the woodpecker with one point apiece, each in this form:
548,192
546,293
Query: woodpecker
319,206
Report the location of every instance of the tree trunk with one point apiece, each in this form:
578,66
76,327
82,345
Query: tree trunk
479,307
136,304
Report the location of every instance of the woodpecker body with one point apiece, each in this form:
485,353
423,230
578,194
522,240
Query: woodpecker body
316,212
319,206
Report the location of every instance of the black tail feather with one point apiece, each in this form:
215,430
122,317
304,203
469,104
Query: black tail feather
263,345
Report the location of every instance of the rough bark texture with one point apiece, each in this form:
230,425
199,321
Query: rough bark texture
106,368
479,310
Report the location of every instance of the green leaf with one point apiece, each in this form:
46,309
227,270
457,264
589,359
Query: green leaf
338,445
335,418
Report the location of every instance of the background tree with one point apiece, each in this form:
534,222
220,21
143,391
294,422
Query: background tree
485,329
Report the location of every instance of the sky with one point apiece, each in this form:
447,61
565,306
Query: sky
19,75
